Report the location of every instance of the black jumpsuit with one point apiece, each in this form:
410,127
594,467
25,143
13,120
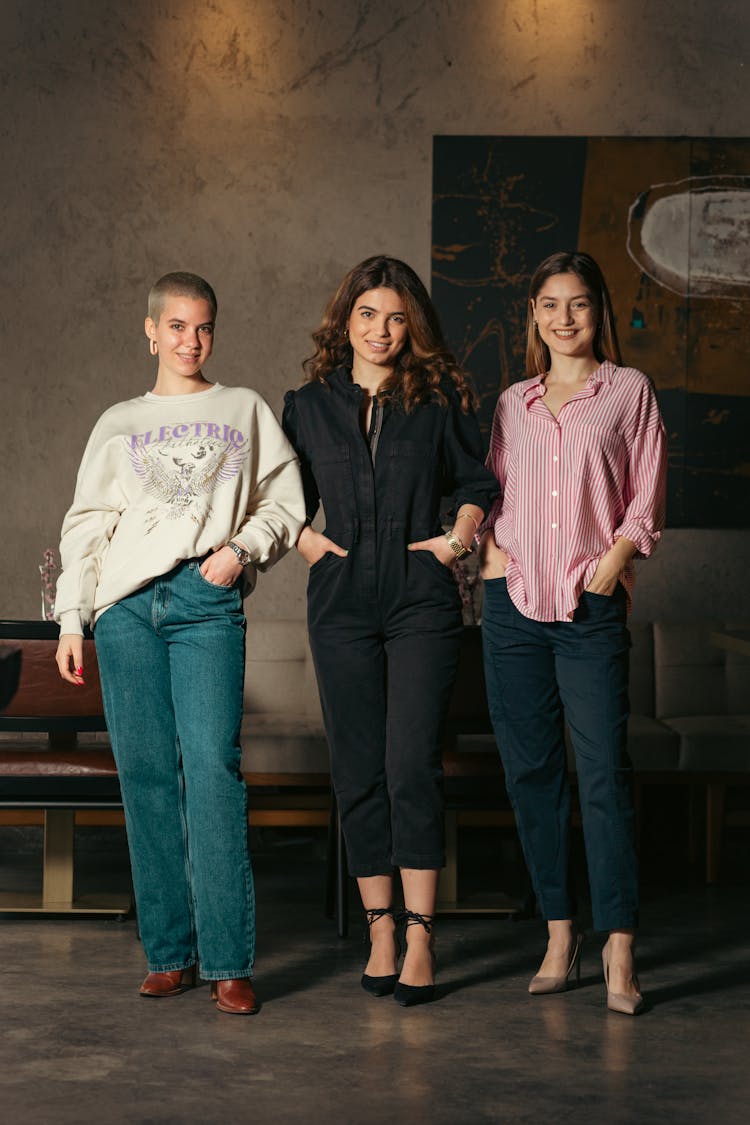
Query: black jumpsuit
385,622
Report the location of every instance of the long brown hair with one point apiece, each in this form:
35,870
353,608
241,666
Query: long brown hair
425,361
592,279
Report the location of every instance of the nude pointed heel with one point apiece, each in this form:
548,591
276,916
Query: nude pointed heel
542,986
616,1001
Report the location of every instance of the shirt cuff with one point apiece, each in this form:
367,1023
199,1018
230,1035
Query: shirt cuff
644,540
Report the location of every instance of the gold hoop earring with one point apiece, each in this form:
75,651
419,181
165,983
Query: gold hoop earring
152,347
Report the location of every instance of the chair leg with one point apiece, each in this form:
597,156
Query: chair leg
337,876
694,817
448,886
715,794
59,829
342,882
331,860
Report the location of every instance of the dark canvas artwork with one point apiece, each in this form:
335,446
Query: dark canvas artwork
669,222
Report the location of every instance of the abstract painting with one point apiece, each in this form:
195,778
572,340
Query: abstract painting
669,222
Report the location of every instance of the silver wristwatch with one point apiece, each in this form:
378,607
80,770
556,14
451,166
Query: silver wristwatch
243,555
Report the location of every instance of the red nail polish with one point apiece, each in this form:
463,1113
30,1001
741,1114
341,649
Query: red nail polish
79,671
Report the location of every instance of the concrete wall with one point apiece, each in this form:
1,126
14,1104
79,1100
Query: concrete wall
269,145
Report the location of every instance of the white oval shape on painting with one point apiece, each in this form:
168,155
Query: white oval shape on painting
694,241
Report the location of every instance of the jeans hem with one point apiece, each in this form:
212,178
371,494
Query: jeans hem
173,967
228,974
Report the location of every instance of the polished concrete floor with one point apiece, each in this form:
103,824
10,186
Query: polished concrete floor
79,1045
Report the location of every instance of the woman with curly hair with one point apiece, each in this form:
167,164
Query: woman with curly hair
384,428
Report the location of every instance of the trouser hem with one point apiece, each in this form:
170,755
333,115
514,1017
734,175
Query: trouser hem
369,870
420,862
621,922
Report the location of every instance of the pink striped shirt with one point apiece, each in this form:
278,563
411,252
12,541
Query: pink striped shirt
574,484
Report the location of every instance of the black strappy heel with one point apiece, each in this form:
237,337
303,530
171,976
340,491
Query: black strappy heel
379,986
410,994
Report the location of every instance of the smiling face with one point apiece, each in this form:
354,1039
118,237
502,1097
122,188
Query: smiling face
566,316
184,336
377,333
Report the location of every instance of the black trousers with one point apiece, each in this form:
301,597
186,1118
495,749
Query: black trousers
385,647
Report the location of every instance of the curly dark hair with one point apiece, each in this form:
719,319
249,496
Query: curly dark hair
425,362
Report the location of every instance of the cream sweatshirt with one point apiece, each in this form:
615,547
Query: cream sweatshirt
171,477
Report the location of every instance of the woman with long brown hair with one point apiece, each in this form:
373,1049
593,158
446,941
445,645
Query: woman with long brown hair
579,449
384,427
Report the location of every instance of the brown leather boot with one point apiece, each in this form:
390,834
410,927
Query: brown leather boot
171,983
237,997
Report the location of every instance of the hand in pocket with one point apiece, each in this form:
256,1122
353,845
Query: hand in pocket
493,560
312,545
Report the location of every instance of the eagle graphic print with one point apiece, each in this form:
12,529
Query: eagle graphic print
181,465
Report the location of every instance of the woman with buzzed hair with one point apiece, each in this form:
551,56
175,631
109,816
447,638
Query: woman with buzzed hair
183,493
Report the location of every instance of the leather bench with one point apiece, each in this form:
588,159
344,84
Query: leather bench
42,766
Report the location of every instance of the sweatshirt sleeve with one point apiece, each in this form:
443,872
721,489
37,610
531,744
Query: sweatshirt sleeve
276,507
86,531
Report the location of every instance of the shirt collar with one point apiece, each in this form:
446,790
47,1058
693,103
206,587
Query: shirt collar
534,388
604,372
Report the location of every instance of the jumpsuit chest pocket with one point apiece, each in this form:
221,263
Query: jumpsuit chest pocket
410,472
332,469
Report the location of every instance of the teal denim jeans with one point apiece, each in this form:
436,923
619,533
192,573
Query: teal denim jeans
171,660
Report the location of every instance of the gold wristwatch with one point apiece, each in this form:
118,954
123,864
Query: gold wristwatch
455,544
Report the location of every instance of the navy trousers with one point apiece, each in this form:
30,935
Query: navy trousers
540,674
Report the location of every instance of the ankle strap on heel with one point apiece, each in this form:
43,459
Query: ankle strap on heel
411,918
379,912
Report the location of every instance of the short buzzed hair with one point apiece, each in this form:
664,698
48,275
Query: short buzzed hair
179,285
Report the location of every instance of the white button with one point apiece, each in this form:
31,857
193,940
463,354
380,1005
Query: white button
554,492
554,525
555,458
